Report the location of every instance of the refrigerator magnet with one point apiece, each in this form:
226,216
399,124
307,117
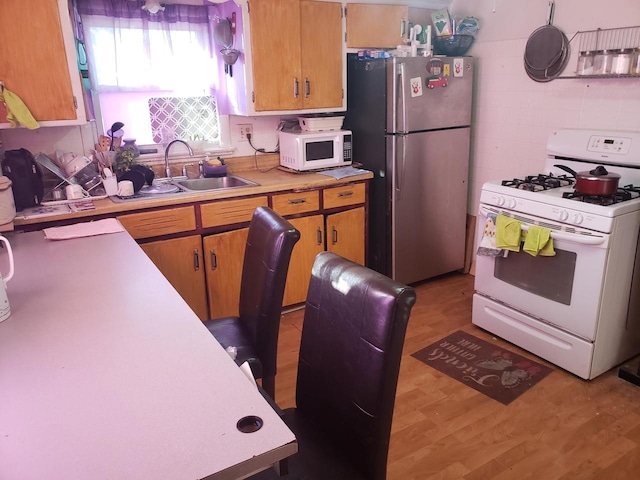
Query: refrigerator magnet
458,71
446,70
416,86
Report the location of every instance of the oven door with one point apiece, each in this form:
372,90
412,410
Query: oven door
563,290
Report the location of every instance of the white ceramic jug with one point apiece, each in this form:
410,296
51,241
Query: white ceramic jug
5,309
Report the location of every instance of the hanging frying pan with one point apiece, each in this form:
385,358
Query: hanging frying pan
546,52
548,74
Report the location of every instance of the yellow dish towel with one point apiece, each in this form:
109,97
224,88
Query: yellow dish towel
508,231
538,241
17,111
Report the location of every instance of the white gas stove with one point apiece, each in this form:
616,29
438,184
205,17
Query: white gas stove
580,308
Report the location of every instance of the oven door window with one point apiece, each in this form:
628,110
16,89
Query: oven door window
319,150
547,277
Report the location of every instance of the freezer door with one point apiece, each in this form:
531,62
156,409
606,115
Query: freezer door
428,93
428,202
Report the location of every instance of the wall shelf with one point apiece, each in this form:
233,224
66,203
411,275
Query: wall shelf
602,39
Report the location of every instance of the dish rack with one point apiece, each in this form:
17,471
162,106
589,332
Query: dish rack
64,180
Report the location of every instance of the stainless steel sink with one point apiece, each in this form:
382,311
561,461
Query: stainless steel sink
213,183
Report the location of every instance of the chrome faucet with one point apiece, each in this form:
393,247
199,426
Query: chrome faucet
167,168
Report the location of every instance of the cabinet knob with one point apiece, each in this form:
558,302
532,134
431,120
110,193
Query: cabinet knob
307,88
214,260
319,236
334,235
297,201
346,194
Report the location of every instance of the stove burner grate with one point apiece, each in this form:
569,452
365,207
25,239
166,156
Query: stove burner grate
540,182
628,192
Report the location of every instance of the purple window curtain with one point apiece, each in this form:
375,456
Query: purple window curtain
129,9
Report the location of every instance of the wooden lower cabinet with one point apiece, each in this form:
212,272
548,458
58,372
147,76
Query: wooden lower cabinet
180,261
304,253
345,234
224,257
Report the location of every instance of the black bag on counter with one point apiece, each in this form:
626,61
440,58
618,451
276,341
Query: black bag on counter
26,178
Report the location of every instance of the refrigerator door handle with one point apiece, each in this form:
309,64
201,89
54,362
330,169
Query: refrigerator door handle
399,165
403,99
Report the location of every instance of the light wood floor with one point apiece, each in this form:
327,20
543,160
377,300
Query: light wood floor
563,428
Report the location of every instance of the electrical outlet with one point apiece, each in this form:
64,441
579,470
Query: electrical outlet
242,130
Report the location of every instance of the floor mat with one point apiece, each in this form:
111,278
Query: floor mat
483,366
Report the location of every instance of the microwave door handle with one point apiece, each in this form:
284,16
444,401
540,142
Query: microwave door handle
567,237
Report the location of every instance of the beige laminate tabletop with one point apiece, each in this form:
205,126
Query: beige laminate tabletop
106,373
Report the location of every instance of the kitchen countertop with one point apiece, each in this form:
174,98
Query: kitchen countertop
272,181
106,373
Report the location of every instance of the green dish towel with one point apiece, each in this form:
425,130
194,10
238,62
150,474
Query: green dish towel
508,232
17,111
538,241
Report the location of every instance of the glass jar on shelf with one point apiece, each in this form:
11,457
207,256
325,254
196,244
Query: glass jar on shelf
602,62
585,63
621,62
635,62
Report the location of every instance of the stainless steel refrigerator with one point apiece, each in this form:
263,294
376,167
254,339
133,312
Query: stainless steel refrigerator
411,119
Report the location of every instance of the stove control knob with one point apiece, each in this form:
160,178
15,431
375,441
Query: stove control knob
499,201
563,215
577,218
511,203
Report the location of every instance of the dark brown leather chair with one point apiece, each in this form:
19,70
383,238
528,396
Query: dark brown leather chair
255,331
353,333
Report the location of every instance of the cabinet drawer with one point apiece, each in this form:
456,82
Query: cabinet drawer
301,202
228,212
159,222
345,195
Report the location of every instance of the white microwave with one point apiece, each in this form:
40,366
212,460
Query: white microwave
311,150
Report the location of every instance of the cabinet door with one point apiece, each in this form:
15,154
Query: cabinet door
36,59
322,57
345,234
180,261
304,253
275,47
376,26
224,256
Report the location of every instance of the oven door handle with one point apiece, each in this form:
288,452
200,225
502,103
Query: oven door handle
567,237
573,238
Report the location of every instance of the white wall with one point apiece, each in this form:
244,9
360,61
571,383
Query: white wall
514,115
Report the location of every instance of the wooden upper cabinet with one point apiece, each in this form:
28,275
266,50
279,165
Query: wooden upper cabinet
322,59
297,50
37,60
275,47
382,26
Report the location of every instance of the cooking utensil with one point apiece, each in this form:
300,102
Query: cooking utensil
547,51
597,182
114,128
222,33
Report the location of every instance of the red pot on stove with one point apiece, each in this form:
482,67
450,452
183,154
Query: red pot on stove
597,182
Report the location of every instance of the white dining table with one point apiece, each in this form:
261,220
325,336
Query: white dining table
106,373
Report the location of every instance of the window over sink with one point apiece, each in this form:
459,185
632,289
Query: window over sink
153,72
